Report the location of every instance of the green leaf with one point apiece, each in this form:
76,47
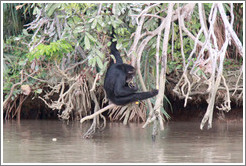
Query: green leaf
100,21
106,64
76,19
118,46
25,32
91,20
179,66
87,43
51,8
22,63
93,62
165,113
39,91
36,11
108,44
99,28
78,29
100,54
94,24
90,37
199,72
99,62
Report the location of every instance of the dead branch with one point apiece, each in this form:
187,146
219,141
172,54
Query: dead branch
97,113
40,80
181,37
202,22
157,58
75,65
172,41
99,9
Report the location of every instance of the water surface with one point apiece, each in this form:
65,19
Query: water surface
42,141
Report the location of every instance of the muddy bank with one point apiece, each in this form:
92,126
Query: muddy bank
34,108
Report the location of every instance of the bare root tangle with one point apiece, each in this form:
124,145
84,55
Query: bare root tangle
239,77
157,115
14,108
226,106
18,110
74,99
190,82
186,10
92,129
7,102
140,42
96,122
221,52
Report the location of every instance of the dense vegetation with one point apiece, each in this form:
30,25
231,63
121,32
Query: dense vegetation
58,53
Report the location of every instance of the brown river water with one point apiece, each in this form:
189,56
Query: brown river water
43,141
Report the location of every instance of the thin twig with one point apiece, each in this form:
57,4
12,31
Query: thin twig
95,81
99,9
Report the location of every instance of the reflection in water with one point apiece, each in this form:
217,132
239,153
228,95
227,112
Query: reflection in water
181,142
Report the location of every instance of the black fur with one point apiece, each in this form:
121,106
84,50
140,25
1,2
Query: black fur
116,82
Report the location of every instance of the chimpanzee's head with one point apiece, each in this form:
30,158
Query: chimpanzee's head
130,72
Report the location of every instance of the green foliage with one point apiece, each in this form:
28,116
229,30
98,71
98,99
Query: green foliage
53,51
174,66
51,7
14,60
14,17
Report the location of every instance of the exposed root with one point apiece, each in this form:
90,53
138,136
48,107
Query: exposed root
73,92
92,130
7,100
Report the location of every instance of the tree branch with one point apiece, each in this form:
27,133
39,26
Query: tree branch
97,113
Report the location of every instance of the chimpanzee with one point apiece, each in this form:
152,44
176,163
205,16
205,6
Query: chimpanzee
118,82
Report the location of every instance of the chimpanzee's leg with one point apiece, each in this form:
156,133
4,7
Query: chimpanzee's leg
134,97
